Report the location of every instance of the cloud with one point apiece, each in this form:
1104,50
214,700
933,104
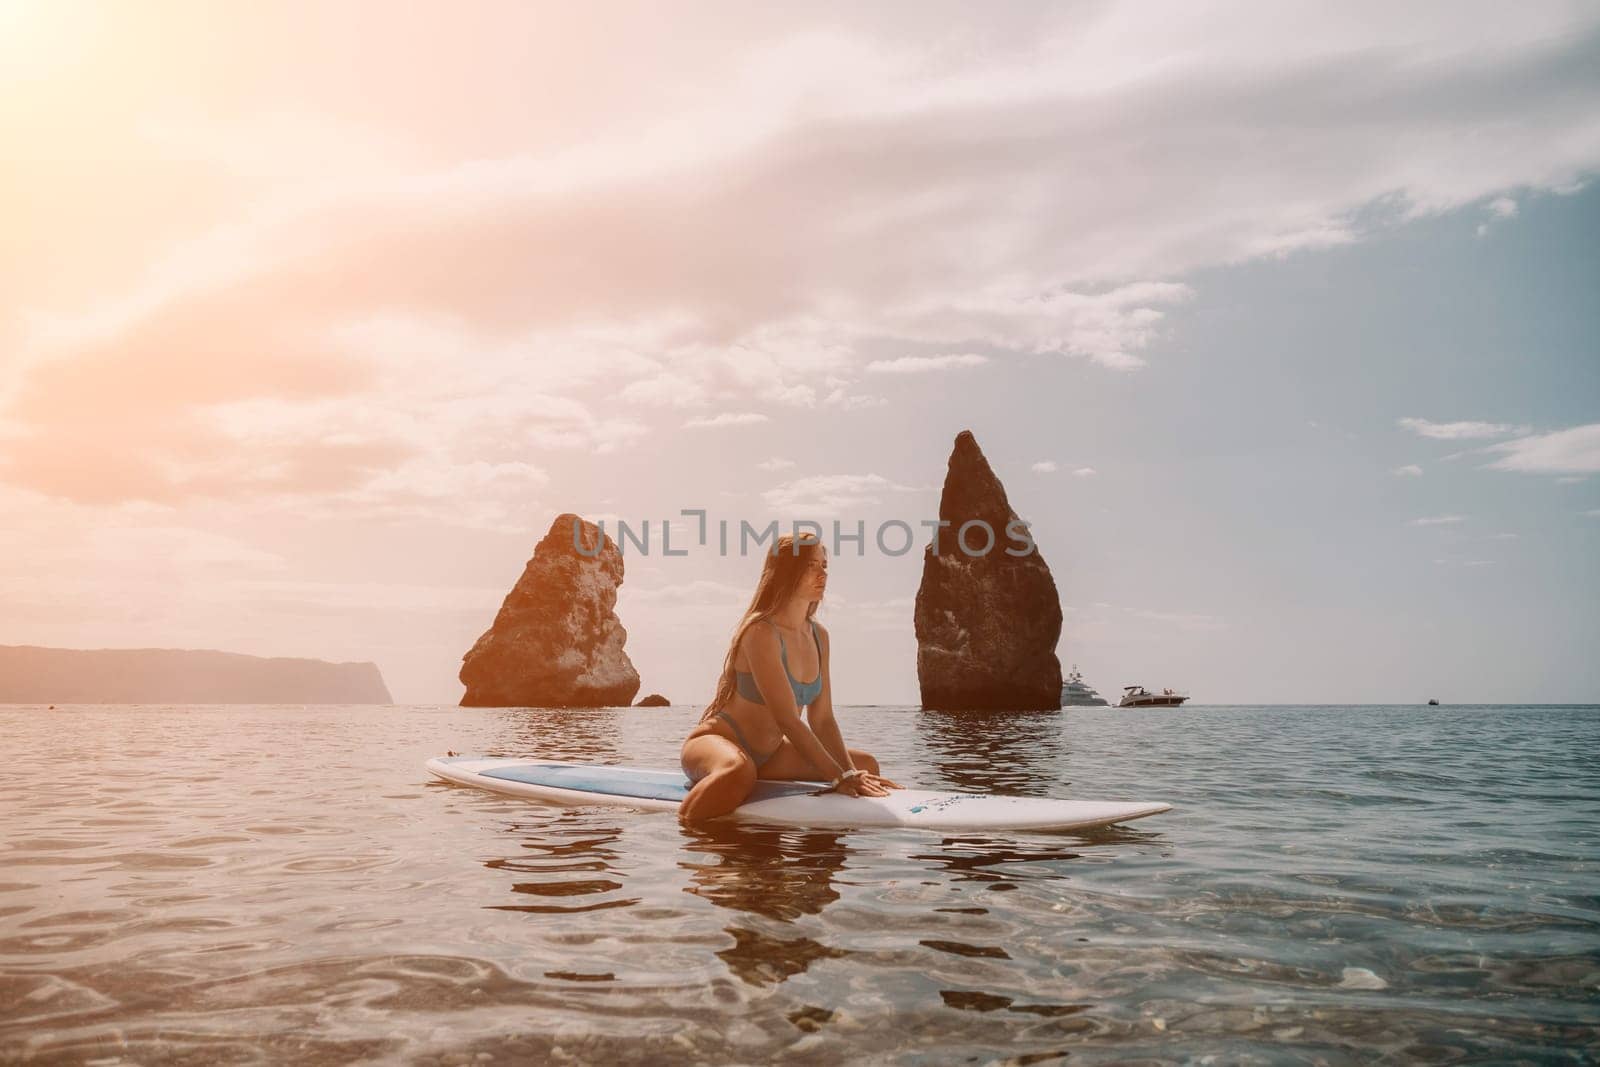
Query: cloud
1438,520
1458,431
724,231
1501,207
726,418
852,401
893,614
776,463
698,592
1044,466
1410,470
924,364
1085,472
1182,620
827,495
1574,451
1592,513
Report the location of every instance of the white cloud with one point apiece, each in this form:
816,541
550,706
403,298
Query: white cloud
1182,620
827,495
1041,194
1438,520
1593,513
893,614
1501,207
1457,431
776,463
664,390
1044,466
726,418
1410,470
699,591
1085,472
924,364
1574,451
852,402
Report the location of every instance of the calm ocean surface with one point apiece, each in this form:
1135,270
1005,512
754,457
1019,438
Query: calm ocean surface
273,884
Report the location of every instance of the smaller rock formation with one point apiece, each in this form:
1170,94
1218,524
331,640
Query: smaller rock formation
987,623
654,700
557,641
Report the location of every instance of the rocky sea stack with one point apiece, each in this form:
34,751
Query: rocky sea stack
557,641
987,625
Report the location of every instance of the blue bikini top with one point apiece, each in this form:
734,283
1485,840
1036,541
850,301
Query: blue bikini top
804,692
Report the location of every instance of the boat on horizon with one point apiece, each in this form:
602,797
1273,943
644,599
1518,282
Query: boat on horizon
1076,693
1137,696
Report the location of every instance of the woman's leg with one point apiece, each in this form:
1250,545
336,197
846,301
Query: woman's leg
722,774
787,764
864,760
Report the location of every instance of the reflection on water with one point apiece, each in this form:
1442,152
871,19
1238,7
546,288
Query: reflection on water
1022,753
781,874
569,864
777,874
581,735
970,859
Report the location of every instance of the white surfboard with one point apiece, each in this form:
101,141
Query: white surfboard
786,803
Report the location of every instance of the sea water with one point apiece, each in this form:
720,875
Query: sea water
287,884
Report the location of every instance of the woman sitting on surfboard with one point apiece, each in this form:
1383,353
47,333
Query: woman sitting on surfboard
752,728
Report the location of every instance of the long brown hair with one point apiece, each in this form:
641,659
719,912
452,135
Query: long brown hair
785,568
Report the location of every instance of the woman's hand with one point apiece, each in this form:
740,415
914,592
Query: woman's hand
866,785
882,781
857,785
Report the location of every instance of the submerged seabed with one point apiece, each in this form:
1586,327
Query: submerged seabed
271,884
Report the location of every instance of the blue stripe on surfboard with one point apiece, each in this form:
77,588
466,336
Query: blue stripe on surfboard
626,782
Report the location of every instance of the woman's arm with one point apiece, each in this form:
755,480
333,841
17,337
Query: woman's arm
820,713
826,727
762,648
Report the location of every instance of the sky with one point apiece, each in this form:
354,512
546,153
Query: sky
1277,322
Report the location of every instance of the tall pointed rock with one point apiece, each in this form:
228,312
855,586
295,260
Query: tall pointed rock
987,624
557,641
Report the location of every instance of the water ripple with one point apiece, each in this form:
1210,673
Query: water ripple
1335,885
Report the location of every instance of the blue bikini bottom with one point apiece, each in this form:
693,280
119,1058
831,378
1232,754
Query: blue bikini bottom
741,741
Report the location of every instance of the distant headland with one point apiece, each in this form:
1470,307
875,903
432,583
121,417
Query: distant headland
33,675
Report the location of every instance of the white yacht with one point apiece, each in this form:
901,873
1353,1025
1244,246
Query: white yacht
1137,696
1076,693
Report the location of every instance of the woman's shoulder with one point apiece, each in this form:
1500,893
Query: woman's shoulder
760,634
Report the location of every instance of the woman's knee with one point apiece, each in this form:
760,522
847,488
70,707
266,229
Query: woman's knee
738,773
720,791
864,760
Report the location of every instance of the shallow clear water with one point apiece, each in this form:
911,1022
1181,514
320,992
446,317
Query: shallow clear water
261,884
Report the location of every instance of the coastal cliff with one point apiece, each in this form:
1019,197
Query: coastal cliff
30,674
